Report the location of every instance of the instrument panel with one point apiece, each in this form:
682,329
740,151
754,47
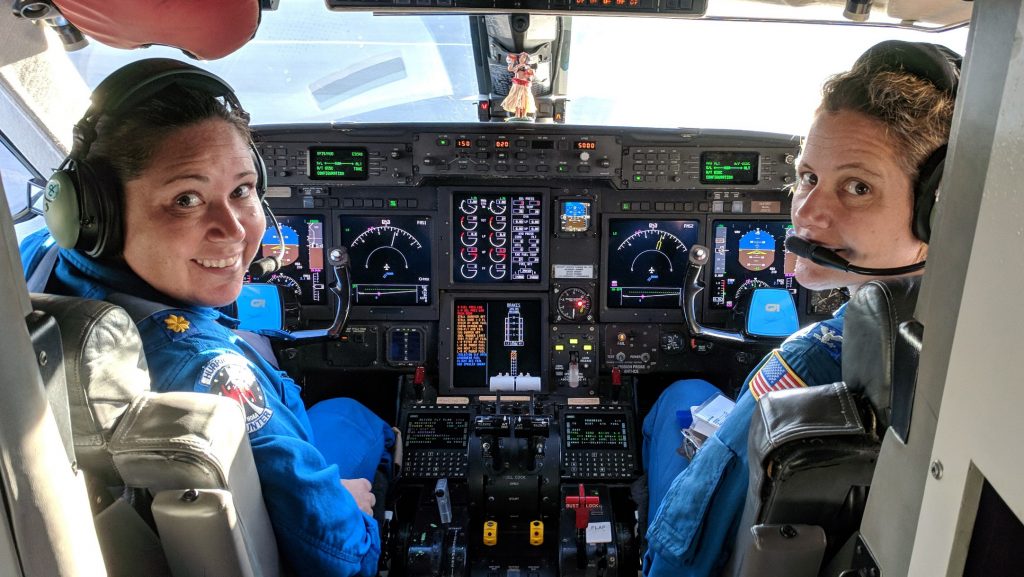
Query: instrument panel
486,252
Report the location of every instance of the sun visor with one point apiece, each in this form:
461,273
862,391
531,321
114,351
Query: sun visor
202,29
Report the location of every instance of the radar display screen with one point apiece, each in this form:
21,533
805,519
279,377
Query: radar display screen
596,431
337,163
302,268
729,167
437,430
390,259
750,254
497,344
647,262
497,238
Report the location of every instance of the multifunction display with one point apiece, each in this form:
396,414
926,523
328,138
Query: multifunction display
497,344
574,215
437,431
596,431
390,259
647,262
337,163
497,238
729,167
749,254
302,266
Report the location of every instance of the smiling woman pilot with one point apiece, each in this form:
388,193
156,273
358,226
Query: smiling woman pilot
166,189
873,137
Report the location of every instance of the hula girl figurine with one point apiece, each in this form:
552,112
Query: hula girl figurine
520,100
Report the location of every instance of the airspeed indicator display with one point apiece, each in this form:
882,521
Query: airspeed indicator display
390,259
647,262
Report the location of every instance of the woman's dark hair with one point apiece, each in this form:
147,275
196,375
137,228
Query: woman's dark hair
917,114
125,143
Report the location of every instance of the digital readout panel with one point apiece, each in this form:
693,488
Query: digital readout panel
390,259
497,238
497,344
750,254
437,430
337,163
729,167
647,262
596,431
302,267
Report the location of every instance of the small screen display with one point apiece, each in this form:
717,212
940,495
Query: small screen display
542,144
501,143
302,268
729,167
574,216
497,344
405,345
463,143
647,262
591,432
585,145
337,163
437,430
750,254
497,238
390,259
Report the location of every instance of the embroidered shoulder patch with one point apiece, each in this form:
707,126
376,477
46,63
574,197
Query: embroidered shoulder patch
829,334
774,375
229,375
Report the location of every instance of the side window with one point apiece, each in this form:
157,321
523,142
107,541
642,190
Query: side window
22,186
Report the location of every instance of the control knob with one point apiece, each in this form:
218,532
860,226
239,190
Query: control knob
395,154
584,156
604,163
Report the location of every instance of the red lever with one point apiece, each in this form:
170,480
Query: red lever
421,373
582,503
616,377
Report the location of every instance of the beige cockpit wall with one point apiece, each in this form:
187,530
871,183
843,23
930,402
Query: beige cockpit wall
925,494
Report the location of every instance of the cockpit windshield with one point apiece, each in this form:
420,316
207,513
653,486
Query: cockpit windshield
307,64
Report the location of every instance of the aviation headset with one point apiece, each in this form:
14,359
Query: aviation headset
83,204
940,66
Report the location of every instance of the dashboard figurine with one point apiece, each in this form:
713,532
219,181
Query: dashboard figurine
520,100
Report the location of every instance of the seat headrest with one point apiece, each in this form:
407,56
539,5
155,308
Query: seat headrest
105,369
871,328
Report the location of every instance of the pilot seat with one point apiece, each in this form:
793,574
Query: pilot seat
813,450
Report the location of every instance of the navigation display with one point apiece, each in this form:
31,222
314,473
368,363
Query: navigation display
647,262
729,167
437,430
749,254
596,431
497,238
390,259
497,344
302,268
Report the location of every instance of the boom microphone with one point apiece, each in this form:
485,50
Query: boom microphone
269,264
828,258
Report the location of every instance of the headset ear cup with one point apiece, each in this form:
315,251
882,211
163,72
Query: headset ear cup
61,208
926,192
261,171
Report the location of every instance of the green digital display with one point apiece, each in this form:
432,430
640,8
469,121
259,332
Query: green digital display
337,163
729,167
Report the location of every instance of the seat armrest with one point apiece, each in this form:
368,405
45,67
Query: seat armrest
179,441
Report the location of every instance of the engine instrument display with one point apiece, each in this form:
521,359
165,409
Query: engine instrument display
437,430
750,254
647,262
337,163
390,259
497,238
729,167
302,268
596,431
497,344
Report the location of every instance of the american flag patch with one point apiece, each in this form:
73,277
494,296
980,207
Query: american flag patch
774,375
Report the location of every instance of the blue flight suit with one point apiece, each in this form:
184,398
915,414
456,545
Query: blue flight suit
696,506
320,529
